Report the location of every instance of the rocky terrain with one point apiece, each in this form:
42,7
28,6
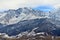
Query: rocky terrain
31,37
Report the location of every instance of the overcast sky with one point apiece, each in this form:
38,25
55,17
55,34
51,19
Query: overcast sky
13,4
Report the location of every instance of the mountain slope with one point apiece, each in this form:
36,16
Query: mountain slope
43,25
14,16
14,22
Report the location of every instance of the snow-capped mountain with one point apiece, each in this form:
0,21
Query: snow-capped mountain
14,22
14,16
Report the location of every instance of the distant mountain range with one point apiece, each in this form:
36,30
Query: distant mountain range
14,22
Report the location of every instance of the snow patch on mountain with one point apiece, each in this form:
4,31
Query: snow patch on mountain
14,16
32,33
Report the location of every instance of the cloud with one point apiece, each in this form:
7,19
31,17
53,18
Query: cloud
13,4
